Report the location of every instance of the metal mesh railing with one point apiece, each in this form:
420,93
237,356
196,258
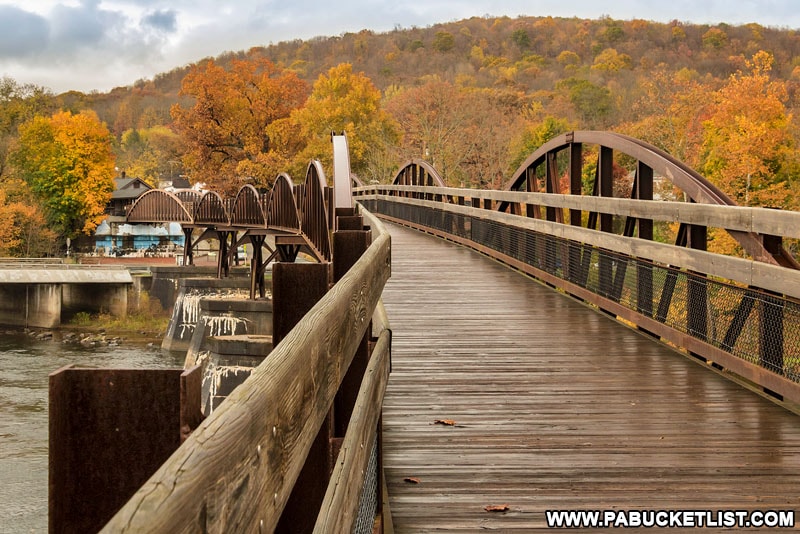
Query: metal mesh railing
368,503
751,324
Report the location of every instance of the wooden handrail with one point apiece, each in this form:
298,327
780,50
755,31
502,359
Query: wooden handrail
236,471
739,270
339,509
737,218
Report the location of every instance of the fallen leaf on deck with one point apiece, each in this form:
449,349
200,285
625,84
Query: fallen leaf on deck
496,508
412,480
448,422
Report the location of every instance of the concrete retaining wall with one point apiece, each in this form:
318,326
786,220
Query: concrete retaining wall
186,311
93,298
30,305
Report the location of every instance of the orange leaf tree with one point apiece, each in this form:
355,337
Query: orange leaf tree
225,129
464,133
67,162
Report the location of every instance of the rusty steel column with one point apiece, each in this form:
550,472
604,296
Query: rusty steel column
110,430
644,274
605,175
697,318
296,288
348,246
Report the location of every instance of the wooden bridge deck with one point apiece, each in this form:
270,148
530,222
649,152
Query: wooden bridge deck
555,407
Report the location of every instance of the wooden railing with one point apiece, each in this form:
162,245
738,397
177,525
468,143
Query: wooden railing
236,471
736,313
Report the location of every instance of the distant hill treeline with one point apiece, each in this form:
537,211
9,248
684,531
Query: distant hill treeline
528,56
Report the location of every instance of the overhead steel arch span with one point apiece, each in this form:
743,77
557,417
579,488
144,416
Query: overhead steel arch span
248,209
418,172
650,161
211,210
158,206
282,210
314,223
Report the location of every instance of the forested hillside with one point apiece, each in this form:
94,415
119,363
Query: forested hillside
473,97
537,57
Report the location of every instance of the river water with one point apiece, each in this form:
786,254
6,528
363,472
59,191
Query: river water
25,364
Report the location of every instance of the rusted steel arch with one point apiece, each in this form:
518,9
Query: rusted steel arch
211,210
697,187
158,206
418,172
314,213
282,210
188,195
248,209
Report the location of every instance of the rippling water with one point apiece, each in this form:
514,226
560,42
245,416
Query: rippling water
24,366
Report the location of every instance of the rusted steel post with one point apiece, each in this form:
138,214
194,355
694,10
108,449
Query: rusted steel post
606,189
348,246
296,288
697,317
644,272
575,216
771,336
110,430
188,247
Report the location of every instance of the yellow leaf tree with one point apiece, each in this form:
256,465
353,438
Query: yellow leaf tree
748,148
343,101
67,162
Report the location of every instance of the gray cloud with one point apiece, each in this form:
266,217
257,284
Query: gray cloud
22,34
84,26
98,45
165,20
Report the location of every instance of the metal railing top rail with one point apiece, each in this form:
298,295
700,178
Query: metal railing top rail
738,218
743,271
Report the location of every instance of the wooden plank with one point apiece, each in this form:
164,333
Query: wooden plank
555,406
340,507
235,472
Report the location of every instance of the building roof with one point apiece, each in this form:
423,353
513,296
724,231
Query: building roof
128,188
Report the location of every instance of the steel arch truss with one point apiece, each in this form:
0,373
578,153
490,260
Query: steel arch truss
650,160
299,217
418,172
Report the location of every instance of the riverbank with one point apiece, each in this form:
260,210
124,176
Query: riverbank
143,327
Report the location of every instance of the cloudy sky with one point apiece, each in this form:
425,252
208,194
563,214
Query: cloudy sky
100,44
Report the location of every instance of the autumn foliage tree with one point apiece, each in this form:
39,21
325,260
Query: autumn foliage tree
18,104
226,127
343,101
67,162
464,133
748,149
151,154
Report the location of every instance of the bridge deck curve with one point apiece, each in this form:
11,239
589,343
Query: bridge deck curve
555,407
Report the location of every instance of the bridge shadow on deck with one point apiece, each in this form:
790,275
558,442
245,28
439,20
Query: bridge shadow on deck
556,407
